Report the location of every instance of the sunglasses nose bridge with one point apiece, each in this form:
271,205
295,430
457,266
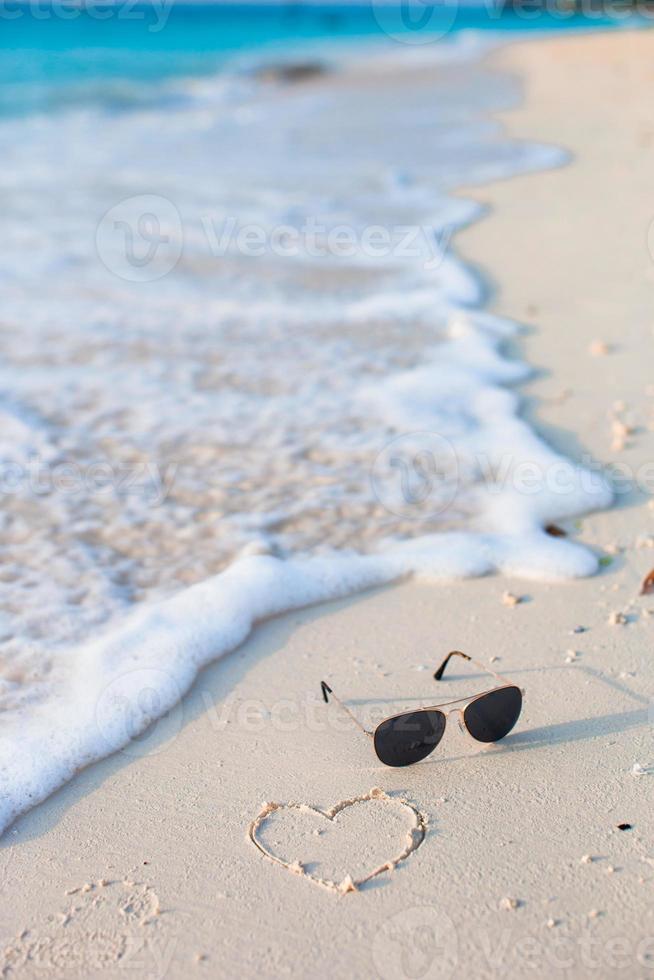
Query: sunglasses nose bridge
459,717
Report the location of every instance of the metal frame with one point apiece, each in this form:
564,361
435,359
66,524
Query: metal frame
438,674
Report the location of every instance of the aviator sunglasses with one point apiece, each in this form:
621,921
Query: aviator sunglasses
411,736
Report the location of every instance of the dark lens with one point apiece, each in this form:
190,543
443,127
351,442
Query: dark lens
408,738
492,716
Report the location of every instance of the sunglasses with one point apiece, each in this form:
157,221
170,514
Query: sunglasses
411,736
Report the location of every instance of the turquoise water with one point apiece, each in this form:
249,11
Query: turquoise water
52,56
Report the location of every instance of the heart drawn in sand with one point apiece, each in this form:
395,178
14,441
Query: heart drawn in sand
281,829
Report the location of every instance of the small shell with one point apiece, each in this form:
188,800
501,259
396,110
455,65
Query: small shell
508,904
347,885
617,619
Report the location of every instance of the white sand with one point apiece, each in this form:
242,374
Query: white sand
522,871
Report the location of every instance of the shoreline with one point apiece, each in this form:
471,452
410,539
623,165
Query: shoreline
166,829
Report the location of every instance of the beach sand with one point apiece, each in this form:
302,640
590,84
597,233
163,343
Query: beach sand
143,863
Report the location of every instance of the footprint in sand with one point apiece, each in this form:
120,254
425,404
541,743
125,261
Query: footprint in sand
102,926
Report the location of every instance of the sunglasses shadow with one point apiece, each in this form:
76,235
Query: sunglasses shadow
579,730
448,692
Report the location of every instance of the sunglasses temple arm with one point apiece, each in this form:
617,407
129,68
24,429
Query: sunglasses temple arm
326,689
486,670
493,673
